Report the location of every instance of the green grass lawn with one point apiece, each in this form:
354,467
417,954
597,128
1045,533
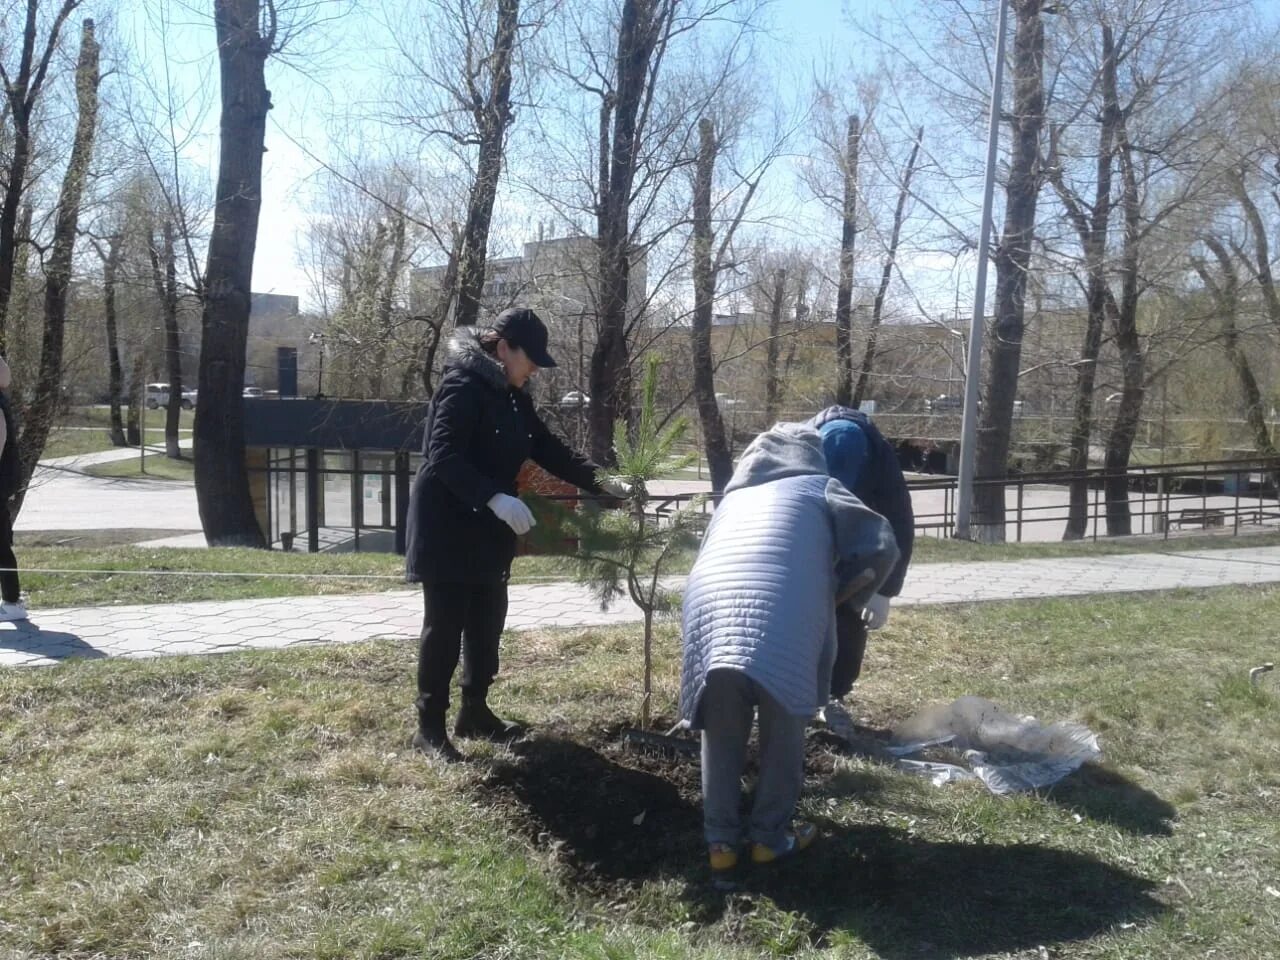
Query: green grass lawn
183,574
115,574
101,417
266,805
76,443
935,550
157,467
201,574
86,430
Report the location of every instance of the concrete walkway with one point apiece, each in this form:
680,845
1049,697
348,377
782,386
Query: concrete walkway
218,627
63,497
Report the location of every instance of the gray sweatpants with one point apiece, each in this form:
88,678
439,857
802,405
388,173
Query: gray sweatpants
726,711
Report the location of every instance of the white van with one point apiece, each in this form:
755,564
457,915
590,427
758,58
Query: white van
158,396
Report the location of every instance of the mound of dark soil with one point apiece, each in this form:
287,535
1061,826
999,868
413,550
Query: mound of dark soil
615,815
611,812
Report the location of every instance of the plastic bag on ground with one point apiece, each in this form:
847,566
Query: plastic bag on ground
1009,754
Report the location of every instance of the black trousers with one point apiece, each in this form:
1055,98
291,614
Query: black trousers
9,587
464,618
851,645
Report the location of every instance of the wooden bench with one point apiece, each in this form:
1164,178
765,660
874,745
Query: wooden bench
1256,516
1201,517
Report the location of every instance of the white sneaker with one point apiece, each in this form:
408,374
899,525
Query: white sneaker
13,611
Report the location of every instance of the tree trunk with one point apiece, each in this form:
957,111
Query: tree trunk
646,704
9,238
137,397
1123,431
222,483
641,24
164,277
1092,228
844,290
386,297
440,318
1012,260
21,91
27,285
719,460
57,270
877,309
772,383
493,117
110,270
1124,316
428,345
1227,297
801,317
1261,248
1082,415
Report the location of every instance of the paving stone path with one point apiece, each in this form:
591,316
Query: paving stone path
218,627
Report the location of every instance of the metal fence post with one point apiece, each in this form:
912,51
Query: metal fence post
402,482
1095,513
1021,487
1143,485
312,481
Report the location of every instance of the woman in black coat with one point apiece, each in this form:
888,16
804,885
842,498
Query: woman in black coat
464,516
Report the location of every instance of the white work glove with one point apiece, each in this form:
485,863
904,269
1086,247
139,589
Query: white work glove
512,511
876,613
617,487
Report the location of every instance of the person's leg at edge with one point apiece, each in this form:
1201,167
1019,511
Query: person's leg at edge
726,713
443,616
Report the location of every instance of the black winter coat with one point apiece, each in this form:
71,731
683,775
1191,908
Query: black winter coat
883,488
10,471
477,435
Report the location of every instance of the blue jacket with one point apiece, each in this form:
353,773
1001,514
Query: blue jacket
881,486
783,544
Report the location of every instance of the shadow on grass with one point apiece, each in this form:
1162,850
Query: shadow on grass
1109,797
907,897
23,636
611,820
615,819
1093,791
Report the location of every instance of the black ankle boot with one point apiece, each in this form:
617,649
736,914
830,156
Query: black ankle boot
475,719
432,739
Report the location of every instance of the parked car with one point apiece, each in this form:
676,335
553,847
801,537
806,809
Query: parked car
253,392
575,398
944,402
158,396
724,400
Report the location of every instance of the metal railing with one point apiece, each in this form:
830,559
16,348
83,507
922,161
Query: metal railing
1156,500
1159,500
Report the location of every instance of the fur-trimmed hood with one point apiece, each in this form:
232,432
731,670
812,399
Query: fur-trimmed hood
465,353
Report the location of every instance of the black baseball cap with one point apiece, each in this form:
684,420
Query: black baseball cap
521,327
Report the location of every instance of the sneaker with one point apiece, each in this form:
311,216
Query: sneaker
723,857
798,838
13,611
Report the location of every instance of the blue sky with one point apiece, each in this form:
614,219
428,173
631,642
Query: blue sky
342,61
310,96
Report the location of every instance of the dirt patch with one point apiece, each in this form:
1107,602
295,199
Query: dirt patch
611,813
614,816
615,813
